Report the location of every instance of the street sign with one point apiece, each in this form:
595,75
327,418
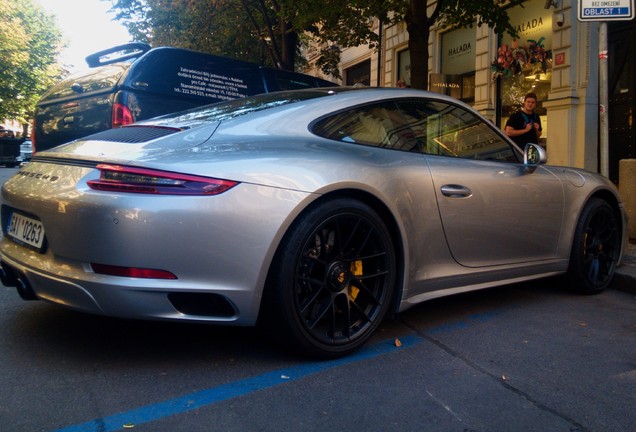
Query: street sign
605,10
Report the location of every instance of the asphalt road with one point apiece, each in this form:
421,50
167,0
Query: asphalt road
527,357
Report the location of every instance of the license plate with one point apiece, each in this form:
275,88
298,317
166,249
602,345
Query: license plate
25,230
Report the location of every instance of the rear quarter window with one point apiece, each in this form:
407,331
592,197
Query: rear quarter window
379,125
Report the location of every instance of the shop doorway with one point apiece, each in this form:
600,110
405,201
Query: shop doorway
621,94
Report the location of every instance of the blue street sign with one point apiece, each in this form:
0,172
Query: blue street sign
603,10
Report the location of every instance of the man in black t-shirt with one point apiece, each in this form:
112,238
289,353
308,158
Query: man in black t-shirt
524,126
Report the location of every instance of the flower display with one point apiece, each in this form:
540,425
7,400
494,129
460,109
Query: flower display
514,59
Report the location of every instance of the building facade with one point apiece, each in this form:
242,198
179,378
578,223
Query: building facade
555,56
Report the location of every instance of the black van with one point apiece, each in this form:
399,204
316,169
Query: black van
133,82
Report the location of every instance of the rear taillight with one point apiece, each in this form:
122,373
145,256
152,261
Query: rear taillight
121,115
117,178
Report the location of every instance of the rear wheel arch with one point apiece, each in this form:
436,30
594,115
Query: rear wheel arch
383,211
304,223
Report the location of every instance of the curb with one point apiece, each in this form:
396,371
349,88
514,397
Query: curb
625,279
625,276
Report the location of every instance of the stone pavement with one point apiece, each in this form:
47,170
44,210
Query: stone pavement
625,278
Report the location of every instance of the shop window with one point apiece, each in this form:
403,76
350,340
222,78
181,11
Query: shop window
457,65
404,68
524,65
359,74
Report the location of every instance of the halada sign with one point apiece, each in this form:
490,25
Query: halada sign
532,22
529,25
462,49
458,51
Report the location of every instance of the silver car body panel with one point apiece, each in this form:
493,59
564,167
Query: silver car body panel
225,244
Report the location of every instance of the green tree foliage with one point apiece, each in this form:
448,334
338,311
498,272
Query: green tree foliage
29,44
268,32
232,28
271,31
347,24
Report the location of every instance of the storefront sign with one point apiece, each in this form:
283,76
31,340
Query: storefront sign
602,10
458,51
532,22
458,86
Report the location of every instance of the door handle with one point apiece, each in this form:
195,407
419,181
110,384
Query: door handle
455,191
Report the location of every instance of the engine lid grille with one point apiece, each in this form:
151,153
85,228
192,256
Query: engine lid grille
132,134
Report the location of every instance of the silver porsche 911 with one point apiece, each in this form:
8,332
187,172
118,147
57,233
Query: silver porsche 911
313,213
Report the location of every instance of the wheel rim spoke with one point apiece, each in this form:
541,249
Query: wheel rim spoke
323,307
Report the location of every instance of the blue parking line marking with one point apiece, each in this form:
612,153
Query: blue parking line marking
208,397
232,390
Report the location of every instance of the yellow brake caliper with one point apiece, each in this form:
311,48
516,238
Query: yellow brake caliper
356,269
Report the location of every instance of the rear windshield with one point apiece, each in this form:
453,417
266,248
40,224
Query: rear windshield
230,109
102,78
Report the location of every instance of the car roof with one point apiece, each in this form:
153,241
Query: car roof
329,99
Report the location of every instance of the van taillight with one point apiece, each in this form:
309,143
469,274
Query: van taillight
121,115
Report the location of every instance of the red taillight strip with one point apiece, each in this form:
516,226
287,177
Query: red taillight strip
134,272
117,178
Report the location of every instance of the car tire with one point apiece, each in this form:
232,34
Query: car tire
332,281
595,248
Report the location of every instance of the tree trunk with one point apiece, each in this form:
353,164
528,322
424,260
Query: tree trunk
288,46
418,27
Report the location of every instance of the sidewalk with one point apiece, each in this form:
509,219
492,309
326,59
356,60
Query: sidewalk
625,278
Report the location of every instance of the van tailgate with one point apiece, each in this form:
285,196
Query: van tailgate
65,121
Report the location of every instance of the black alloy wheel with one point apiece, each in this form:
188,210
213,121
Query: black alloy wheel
334,279
595,248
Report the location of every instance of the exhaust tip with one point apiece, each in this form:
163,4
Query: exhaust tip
7,275
202,304
24,288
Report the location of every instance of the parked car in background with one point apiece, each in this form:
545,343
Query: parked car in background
26,151
133,82
9,149
314,213
6,133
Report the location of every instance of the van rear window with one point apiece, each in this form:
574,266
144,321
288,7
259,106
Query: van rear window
293,81
103,78
193,75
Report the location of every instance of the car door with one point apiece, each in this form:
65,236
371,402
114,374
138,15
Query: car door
493,210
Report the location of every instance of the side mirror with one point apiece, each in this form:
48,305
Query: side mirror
533,156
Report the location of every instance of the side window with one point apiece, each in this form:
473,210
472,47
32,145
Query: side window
449,130
380,125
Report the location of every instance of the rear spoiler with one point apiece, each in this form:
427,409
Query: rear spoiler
117,54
